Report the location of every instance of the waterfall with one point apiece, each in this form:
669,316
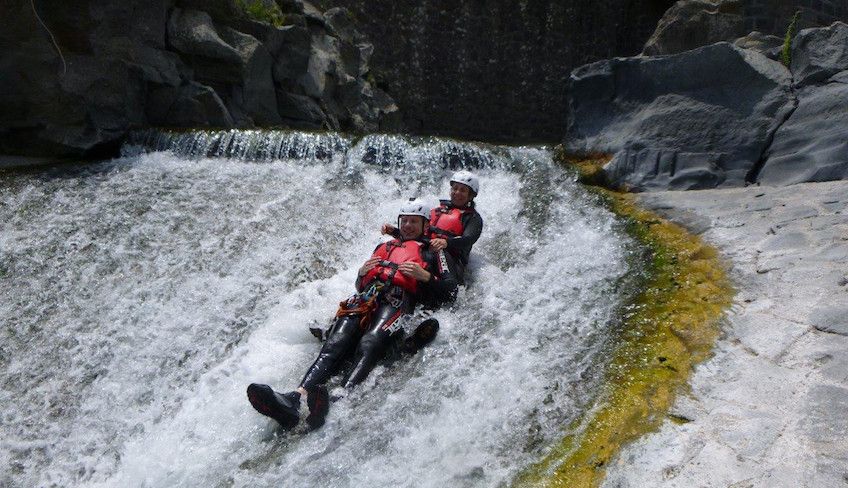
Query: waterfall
143,294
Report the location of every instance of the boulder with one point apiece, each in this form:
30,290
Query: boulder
290,46
340,21
222,11
689,24
811,144
177,63
301,111
192,32
818,54
311,12
767,45
156,66
190,105
256,93
699,119
319,79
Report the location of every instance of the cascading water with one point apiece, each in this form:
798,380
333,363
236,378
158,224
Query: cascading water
142,295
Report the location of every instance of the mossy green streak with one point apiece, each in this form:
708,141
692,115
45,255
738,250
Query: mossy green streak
668,328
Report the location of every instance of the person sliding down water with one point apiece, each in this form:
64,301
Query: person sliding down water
399,275
455,224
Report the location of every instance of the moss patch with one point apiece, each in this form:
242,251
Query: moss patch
263,11
669,328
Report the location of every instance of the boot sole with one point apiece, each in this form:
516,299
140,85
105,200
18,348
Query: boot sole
263,400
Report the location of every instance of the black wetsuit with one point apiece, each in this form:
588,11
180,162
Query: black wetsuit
372,340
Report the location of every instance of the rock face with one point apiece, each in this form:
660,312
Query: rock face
767,45
813,144
718,116
494,70
699,119
694,23
177,63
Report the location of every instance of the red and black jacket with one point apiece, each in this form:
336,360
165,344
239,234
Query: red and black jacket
440,288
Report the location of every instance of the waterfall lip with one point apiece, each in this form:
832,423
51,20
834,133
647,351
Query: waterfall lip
388,151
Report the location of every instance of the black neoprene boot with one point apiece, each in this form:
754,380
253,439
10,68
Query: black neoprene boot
318,401
281,407
423,335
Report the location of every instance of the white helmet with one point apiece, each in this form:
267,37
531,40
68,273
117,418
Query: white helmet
468,179
415,206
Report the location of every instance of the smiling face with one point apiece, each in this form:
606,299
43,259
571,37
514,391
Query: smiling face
411,226
460,194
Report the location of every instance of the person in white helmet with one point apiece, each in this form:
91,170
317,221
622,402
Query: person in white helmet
455,225
399,275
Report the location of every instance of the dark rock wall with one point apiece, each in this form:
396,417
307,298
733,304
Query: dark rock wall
773,16
494,70
690,24
129,64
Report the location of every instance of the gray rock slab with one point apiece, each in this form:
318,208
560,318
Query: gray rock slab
831,317
765,334
793,214
827,421
830,360
784,241
811,145
694,120
770,408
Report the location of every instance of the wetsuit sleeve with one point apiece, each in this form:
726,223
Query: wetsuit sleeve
470,234
358,282
443,282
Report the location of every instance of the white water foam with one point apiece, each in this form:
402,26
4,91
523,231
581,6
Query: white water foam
143,295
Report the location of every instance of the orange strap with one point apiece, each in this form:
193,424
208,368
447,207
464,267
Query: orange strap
365,308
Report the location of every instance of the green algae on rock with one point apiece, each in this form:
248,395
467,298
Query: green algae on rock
668,329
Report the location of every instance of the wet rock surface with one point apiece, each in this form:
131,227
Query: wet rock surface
769,408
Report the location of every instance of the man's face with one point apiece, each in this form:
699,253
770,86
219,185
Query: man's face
460,194
411,226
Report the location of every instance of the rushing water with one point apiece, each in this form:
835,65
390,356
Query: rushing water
142,295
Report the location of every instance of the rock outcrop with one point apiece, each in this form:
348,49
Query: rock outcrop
717,116
698,119
813,143
693,23
178,63
690,24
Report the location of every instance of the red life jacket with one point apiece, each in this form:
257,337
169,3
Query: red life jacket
391,255
447,221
